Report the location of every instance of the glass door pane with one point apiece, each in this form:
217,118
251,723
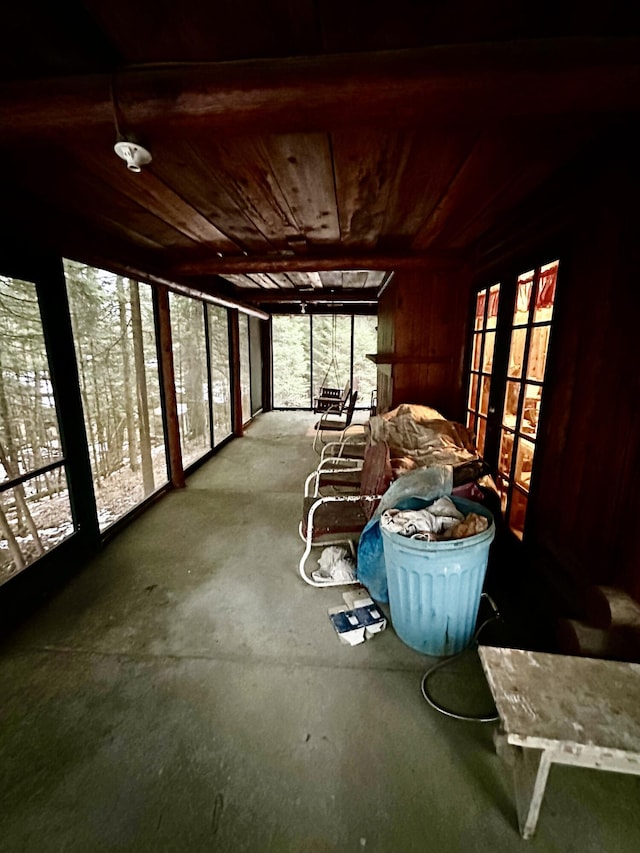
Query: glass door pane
115,341
365,373
220,372
245,368
531,329
482,350
190,366
331,351
290,335
35,513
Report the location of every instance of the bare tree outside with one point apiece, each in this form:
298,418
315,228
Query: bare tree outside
192,385
35,513
114,335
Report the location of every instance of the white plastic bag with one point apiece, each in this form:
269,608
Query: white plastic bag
335,564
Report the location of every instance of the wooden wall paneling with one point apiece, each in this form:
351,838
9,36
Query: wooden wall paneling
567,491
304,280
356,279
188,165
624,552
365,164
302,168
508,160
242,281
53,175
332,278
152,193
582,511
200,31
244,166
433,159
265,281
422,321
375,279
40,39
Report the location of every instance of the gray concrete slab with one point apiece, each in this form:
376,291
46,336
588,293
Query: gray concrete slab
186,692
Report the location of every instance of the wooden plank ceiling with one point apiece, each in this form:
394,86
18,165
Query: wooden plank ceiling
301,150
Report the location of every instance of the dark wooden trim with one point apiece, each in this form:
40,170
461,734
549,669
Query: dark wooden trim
363,295
445,82
236,387
174,451
36,472
234,265
58,334
267,366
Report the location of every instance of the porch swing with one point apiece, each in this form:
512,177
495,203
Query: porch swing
332,398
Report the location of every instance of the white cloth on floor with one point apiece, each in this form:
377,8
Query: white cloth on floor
335,564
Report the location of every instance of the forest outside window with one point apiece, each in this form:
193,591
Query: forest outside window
191,376
218,323
245,367
322,350
35,512
114,335
290,335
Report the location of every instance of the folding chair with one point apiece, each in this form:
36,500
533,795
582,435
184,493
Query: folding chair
340,519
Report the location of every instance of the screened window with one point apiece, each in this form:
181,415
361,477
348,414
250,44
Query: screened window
331,351
218,320
245,368
322,350
365,340
191,376
35,513
291,361
115,342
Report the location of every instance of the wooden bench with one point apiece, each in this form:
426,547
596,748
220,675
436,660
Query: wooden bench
557,709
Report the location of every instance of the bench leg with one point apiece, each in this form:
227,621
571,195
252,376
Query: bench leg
530,773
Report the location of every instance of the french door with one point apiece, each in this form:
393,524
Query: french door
509,355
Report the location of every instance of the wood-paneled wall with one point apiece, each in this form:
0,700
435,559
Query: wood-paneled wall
583,509
422,327
585,505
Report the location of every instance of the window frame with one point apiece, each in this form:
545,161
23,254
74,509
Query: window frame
509,481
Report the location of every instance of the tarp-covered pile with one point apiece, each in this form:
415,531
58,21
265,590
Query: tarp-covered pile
419,436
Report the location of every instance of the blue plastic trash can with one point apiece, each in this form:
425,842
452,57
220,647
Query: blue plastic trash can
435,587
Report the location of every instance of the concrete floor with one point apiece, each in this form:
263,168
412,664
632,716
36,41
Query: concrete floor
186,692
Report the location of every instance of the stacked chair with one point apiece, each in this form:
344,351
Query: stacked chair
339,519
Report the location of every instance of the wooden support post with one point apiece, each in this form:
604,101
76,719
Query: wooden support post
169,389
236,389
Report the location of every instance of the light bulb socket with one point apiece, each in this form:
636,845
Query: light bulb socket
134,155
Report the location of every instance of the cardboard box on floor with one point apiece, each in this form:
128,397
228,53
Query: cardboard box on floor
358,619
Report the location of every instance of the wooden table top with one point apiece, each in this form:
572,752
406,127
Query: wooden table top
549,700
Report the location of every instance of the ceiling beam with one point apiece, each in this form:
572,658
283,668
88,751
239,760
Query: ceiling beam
453,83
365,295
241,265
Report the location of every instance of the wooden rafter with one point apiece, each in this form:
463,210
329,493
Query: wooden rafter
450,83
